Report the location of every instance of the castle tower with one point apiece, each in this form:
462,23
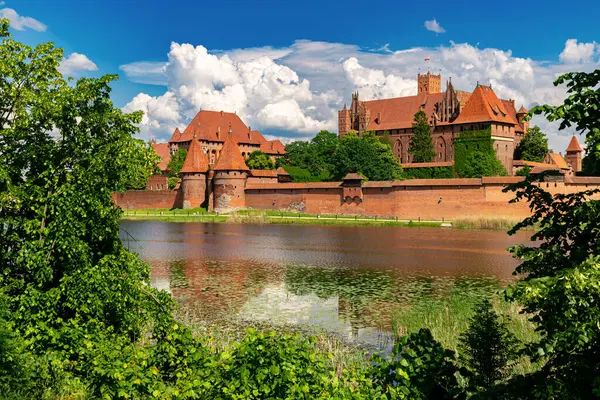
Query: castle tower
429,83
230,175
193,181
520,115
573,157
343,121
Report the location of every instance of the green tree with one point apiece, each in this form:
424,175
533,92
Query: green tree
365,154
147,165
421,143
533,146
479,163
560,289
580,110
74,294
259,160
176,163
311,160
525,171
487,347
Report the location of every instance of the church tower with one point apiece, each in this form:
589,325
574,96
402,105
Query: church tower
429,83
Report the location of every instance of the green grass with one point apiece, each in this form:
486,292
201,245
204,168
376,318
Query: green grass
447,318
494,223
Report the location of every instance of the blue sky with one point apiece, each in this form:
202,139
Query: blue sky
314,53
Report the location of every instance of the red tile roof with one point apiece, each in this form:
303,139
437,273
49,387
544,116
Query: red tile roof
230,158
195,161
574,145
162,150
214,126
176,136
399,112
264,173
522,110
463,97
353,176
485,106
558,160
281,171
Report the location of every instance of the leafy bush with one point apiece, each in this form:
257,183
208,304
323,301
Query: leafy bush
487,348
478,164
420,368
525,171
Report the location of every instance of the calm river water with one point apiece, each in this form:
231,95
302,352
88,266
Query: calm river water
345,280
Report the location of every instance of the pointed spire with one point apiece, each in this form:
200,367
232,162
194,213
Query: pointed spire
522,110
230,159
574,146
176,136
195,161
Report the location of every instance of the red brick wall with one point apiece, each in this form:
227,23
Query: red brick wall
144,199
405,201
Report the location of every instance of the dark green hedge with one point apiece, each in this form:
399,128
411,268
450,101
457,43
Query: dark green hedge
429,173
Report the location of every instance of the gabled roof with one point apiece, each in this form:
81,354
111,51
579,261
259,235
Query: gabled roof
558,160
281,171
195,161
485,106
522,110
230,158
176,136
162,150
399,112
272,147
574,145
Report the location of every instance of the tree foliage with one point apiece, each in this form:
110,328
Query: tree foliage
560,288
487,347
314,157
176,163
421,143
580,109
259,160
533,146
479,163
366,155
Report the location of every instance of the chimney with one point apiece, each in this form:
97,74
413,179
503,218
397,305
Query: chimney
221,113
378,118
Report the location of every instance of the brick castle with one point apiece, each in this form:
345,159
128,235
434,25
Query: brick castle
449,113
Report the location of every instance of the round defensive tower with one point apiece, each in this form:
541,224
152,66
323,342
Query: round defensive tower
193,176
230,175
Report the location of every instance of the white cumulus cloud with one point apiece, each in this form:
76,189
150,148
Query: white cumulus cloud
434,26
578,52
296,91
20,22
76,62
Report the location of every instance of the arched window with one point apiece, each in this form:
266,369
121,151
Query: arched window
398,151
441,149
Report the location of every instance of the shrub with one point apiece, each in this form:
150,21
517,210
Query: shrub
269,365
420,368
487,348
259,160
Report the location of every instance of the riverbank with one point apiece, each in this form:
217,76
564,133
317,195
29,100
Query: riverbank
291,218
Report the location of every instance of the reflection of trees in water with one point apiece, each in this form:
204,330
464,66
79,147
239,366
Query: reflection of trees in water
367,298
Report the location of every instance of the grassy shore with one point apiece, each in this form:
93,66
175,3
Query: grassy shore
270,217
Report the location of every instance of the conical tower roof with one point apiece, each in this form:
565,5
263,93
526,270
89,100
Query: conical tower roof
230,159
522,110
574,145
195,161
176,136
